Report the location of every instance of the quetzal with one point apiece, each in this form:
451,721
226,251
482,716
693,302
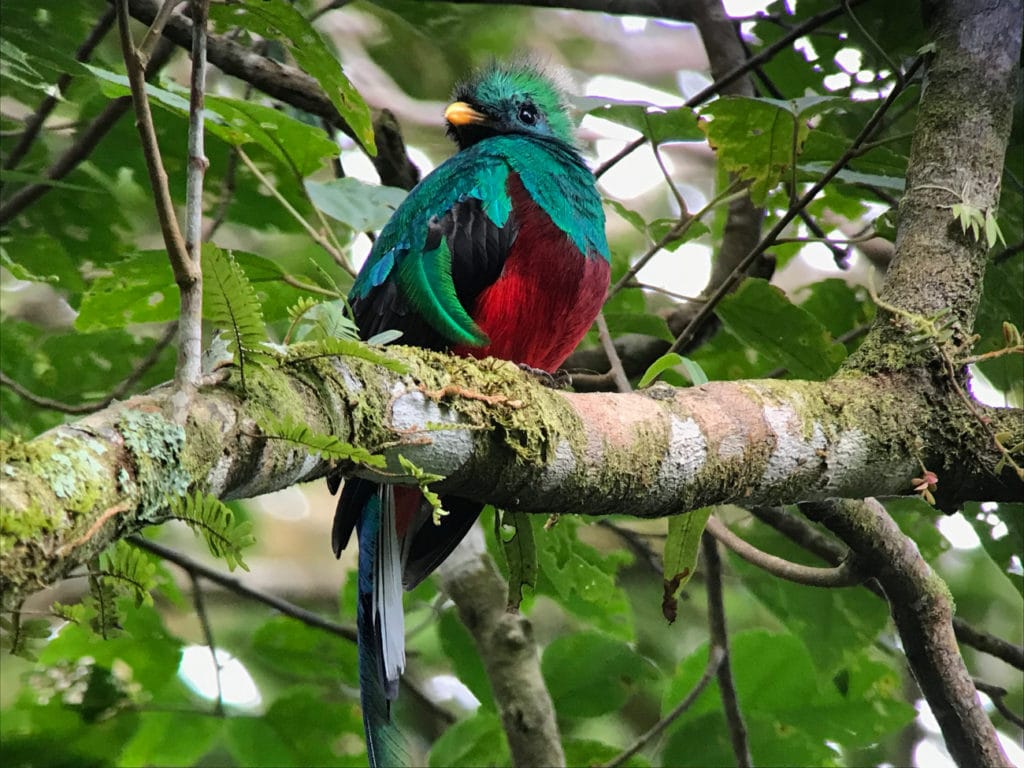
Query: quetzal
499,251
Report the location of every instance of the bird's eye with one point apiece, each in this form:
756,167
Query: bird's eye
528,114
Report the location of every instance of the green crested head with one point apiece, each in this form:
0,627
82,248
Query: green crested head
517,97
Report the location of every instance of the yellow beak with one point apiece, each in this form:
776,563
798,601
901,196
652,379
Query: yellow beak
460,113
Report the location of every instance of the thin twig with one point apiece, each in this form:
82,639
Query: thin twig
720,639
224,198
126,384
715,657
204,623
186,272
726,285
233,585
190,336
35,122
675,232
997,694
843,575
318,238
618,373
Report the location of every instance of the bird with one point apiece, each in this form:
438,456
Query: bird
499,252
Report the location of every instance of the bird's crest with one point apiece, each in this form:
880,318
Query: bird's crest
502,95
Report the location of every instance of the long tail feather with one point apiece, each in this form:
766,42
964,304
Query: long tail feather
380,630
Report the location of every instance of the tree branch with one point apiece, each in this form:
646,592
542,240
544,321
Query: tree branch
491,431
843,575
196,569
800,532
508,651
720,639
923,613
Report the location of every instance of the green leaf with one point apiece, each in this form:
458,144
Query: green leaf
762,316
212,519
298,146
660,124
834,624
521,555
590,752
590,674
299,653
1002,300
362,207
462,653
478,740
171,738
344,348
300,728
580,578
1001,530
681,549
132,569
760,139
280,20
637,322
671,360
792,713
140,289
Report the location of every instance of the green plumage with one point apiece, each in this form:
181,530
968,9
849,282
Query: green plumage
546,162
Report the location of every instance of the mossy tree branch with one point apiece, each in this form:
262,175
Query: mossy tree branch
493,433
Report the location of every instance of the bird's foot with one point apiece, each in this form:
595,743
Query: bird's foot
560,379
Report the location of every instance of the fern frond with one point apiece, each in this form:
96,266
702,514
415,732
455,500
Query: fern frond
212,519
230,301
423,479
131,568
103,599
22,638
334,347
327,446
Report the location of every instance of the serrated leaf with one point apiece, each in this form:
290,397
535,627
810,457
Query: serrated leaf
762,316
521,555
362,207
280,20
580,578
759,139
791,712
140,289
833,624
660,124
681,549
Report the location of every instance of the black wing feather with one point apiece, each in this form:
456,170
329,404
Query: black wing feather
478,248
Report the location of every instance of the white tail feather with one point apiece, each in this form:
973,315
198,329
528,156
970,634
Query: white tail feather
387,594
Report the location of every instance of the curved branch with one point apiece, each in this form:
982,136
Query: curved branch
843,575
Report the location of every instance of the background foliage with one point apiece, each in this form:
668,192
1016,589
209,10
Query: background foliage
88,294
